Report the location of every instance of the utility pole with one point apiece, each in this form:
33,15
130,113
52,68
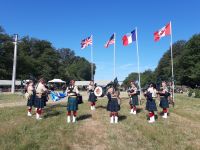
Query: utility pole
14,64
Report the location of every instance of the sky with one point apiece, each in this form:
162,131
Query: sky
66,22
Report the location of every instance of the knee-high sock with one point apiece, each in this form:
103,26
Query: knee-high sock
75,113
151,114
134,108
29,109
69,113
164,110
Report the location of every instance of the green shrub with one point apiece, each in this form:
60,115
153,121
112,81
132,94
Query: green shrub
197,93
190,91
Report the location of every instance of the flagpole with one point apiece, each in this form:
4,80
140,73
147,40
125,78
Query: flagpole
92,78
172,64
138,60
114,74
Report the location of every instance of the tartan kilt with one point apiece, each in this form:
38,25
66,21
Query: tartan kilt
92,97
113,105
151,105
39,102
72,104
31,100
134,100
164,102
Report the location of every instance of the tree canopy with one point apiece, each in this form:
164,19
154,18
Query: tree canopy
38,58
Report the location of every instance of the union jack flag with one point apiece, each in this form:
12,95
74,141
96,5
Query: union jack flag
86,42
110,41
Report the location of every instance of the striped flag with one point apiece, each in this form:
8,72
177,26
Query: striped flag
110,41
86,42
129,38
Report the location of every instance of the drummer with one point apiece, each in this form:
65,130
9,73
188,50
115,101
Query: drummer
72,105
92,98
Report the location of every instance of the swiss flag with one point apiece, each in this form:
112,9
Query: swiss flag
166,30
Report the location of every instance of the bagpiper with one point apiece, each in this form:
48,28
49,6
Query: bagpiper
30,96
164,95
151,95
41,90
133,94
72,105
113,104
92,98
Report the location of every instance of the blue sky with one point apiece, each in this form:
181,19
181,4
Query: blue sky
65,23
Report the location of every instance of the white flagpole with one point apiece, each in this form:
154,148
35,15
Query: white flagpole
138,60
14,65
114,75
92,78
172,64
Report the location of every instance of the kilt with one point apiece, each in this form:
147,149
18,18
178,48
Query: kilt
113,105
92,97
39,102
134,100
164,102
72,104
151,105
45,99
31,100
109,100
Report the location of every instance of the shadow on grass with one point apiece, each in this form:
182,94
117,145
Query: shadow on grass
121,118
52,113
139,110
101,107
161,113
84,117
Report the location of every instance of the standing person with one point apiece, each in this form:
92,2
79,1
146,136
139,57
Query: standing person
39,101
164,95
92,98
151,96
30,96
72,104
114,105
133,93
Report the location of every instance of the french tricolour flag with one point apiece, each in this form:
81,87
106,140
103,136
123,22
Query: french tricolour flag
129,38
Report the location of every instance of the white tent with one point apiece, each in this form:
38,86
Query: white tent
56,81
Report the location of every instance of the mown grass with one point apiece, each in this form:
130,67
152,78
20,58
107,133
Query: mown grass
9,98
93,130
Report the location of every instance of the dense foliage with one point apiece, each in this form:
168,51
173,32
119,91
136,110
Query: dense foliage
38,58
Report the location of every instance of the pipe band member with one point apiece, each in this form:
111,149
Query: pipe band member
41,90
92,97
164,95
114,105
133,98
151,96
30,96
72,105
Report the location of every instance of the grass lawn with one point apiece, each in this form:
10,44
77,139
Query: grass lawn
94,131
11,98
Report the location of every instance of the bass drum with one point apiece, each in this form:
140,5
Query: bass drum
99,91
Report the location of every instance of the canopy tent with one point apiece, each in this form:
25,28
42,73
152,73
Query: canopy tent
56,81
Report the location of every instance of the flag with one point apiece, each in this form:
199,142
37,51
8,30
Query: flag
86,42
110,41
129,38
166,30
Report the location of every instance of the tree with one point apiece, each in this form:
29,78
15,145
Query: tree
38,58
